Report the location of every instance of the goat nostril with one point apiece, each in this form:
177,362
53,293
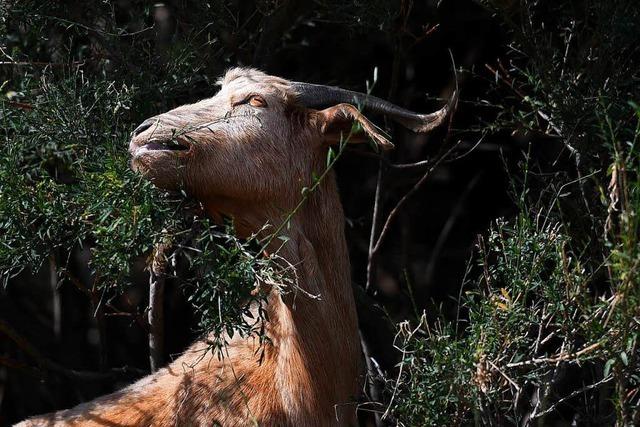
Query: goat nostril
144,126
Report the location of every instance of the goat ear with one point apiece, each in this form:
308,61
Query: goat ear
339,119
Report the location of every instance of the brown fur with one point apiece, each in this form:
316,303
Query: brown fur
250,163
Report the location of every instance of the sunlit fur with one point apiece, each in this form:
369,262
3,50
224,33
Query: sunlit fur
250,163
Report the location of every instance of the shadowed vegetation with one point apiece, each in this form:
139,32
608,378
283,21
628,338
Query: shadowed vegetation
510,276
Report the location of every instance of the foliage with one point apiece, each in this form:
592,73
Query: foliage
550,323
534,319
65,183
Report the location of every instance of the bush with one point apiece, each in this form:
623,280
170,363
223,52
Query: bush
550,323
65,183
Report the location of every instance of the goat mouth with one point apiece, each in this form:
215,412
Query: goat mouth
169,145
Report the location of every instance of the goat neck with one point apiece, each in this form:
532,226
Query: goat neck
314,349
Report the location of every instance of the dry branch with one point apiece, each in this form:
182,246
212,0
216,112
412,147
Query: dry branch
156,307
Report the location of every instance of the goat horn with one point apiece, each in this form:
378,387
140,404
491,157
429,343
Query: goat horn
319,96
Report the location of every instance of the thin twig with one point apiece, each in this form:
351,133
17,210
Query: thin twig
375,219
511,381
372,374
414,165
574,394
42,64
141,320
394,212
562,357
95,30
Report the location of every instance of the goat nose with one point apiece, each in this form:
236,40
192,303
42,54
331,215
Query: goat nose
144,126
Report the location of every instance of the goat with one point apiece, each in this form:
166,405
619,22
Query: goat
246,153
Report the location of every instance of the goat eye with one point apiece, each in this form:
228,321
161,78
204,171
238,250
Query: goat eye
257,101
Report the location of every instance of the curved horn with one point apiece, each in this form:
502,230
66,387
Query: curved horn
319,96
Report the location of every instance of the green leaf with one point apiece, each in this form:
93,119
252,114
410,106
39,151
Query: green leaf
623,357
607,367
330,156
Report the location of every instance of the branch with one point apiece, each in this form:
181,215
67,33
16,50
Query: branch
373,373
563,357
407,196
374,222
574,394
156,307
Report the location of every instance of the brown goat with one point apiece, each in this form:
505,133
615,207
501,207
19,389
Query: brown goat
246,153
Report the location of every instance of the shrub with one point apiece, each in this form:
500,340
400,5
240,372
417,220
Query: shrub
549,324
